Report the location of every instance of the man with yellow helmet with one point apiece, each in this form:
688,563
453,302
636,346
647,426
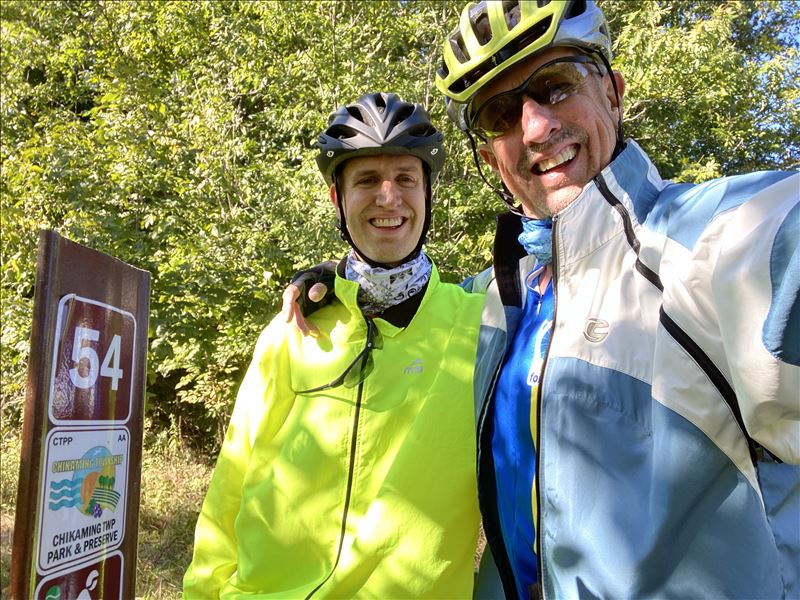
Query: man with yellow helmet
640,356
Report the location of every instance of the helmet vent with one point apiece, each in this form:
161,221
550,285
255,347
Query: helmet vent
403,113
533,34
341,132
576,8
482,28
511,11
355,112
425,132
459,48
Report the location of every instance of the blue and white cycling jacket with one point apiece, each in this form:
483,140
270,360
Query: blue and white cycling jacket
671,389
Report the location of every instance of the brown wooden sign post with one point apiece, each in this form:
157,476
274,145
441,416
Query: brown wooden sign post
76,527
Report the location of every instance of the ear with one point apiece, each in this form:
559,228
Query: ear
485,150
335,201
620,81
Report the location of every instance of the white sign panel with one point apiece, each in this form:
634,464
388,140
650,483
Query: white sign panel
94,359
82,512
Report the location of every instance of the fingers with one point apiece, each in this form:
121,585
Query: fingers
306,327
290,296
317,292
291,312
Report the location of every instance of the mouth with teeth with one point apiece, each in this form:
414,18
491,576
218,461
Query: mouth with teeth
387,222
566,155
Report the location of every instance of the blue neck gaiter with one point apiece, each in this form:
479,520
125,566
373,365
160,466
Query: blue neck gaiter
536,238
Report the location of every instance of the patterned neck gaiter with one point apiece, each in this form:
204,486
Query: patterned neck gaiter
381,288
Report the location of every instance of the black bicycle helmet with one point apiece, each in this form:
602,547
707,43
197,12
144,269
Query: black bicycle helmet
380,123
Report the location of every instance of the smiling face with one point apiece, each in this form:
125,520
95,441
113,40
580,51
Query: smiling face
384,205
554,150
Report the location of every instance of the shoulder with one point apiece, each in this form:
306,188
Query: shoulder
452,292
684,211
446,297
478,284
725,192
278,334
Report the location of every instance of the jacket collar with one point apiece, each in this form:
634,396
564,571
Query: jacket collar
629,183
621,195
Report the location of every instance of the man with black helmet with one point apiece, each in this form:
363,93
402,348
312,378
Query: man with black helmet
640,352
348,469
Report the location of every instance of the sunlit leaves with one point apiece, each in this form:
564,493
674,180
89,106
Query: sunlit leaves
178,136
712,85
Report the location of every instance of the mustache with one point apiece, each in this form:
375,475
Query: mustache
534,150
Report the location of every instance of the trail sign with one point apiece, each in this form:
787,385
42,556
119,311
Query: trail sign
75,533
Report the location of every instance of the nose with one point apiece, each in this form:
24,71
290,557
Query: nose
388,194
538,122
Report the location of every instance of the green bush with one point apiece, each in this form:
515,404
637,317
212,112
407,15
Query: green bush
178,137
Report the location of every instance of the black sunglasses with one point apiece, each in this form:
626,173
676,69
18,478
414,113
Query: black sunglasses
361,366
550,84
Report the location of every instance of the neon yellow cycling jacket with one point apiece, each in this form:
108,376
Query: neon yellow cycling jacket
366,491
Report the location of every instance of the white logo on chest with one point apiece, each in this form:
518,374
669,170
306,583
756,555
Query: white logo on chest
596,330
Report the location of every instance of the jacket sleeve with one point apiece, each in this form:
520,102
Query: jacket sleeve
215,554
755,291
477,284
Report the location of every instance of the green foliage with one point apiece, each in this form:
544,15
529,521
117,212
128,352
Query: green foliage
10,447
711,85
178,137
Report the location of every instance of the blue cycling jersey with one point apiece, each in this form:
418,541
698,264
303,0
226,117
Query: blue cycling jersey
513,444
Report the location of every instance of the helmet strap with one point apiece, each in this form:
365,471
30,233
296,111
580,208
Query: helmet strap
505,195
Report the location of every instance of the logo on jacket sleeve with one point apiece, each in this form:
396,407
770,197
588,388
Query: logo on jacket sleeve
414,367
596,330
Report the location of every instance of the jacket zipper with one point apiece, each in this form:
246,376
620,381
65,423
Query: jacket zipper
715,376
539,396
681,337
350,472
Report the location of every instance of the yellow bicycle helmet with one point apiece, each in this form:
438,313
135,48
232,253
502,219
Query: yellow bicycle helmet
493,35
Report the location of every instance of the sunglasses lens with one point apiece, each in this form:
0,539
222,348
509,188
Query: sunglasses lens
557,82
377,339
364,365
360,370
548,85
498,114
